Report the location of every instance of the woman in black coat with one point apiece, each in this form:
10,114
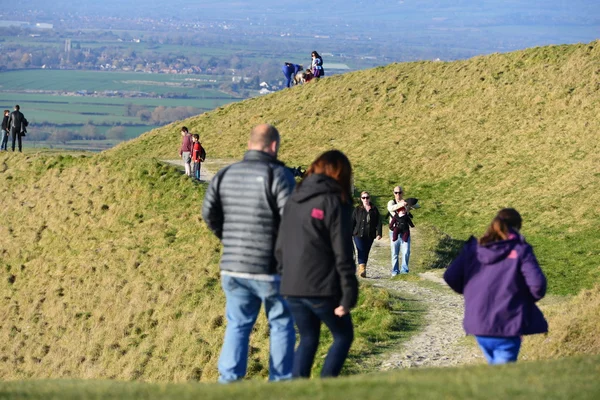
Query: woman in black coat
314,254
366,227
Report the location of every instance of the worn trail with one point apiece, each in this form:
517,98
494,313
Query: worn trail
441,342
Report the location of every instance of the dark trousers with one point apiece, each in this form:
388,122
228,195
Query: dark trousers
363,247
16,136
308,314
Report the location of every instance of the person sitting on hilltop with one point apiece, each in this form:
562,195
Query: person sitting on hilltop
290,70
308,75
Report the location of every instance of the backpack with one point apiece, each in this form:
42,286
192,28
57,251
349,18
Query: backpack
202,153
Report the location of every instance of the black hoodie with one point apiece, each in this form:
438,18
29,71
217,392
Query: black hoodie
314,244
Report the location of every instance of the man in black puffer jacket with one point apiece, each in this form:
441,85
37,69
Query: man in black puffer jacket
243,206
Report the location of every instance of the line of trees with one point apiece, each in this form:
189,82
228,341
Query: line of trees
160,115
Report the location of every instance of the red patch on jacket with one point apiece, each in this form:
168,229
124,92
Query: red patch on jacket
512,254
318,214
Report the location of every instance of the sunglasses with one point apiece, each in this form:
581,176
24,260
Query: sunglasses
365,197
398,192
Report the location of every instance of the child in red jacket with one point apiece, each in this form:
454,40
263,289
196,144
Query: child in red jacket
196,155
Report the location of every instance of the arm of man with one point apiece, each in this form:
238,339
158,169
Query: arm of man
392,206
212,210
282,187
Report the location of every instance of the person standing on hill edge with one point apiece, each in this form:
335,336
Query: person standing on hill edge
317,65
18,127
185,151
366,227
501,281
4,142
248,267
196,155
314,254
400,248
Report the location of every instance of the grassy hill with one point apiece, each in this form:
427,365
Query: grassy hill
467,138
109,272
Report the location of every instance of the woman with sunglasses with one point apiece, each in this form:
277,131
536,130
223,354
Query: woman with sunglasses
366,227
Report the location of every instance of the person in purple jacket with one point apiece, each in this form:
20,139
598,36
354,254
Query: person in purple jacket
501,281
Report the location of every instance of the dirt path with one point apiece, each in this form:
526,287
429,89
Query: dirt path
209,167
442,341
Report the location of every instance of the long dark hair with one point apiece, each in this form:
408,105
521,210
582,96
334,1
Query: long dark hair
506,219
336,165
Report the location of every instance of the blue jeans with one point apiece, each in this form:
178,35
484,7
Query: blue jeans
196,170
4,144
308,314
363,247
244,298
400,249
499,350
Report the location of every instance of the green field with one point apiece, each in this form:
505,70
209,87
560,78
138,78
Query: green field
50,97
197,86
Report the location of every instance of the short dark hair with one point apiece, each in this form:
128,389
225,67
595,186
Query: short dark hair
17,107
185,129
6,111
196,136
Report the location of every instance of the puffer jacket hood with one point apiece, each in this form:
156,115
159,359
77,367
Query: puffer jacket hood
315,185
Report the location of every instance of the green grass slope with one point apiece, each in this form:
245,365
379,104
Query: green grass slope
107,271
467,138
570,378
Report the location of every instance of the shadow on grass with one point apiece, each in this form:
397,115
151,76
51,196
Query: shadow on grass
445,252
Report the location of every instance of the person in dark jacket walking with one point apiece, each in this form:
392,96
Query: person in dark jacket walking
501,281
243,206
4,140
314,251
17,124
366,227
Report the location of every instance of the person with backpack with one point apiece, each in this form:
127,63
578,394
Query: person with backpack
4,142
198,155
17,124
366,227
242,207
501,281
314,254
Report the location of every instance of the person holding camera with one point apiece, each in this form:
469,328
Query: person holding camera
366,227
401,246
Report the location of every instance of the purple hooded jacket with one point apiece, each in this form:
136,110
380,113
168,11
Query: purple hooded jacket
501,281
